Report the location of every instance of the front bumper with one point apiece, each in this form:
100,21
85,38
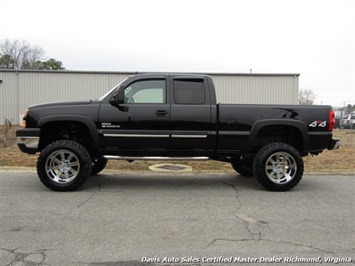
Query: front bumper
334,144
28,139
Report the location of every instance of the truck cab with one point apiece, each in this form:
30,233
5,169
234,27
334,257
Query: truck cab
161,114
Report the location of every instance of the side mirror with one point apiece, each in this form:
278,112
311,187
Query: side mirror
118,98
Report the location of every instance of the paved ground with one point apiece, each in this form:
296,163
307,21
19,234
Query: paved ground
189,219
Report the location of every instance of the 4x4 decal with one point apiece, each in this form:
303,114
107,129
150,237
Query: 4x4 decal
318,123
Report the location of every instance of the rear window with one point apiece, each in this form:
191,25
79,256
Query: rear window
189,91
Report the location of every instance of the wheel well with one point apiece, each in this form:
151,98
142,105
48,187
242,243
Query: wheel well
70,130
278,133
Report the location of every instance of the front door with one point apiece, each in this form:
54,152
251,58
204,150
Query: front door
140,124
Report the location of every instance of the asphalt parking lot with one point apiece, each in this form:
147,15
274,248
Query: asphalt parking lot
148,218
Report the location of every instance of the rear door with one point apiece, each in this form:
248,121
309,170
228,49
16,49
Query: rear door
190,114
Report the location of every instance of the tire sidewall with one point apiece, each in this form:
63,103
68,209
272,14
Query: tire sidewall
80,152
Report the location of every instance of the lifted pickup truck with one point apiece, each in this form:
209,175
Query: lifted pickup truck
173,116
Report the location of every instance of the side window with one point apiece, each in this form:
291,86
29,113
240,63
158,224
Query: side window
189,91
146,91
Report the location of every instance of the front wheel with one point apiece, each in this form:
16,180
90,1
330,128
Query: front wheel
278,166
64,165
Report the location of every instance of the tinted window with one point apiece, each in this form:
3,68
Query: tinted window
146,91
189,92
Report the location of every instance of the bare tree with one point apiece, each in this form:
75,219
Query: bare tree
306,96
20,55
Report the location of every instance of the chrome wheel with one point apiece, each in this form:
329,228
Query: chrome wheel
280,168
62,166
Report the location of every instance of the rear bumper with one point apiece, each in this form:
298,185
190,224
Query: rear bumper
334,144
28,139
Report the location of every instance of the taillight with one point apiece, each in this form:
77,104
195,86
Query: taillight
331,120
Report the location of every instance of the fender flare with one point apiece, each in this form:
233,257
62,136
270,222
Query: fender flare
277,122
86,120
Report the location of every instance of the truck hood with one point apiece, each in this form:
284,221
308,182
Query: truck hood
58,104
62,110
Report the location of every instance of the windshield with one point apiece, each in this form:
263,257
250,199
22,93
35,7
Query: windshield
109,92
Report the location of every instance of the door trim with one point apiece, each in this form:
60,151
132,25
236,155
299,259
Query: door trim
135,136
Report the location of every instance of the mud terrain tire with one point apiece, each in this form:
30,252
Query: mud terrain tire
278,166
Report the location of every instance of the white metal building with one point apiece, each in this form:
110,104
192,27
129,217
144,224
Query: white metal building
22,88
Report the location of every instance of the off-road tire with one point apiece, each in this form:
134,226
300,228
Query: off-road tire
278,166
98,165
64,165
243,167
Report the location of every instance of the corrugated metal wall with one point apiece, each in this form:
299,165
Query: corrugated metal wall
9,97
257,89
19,89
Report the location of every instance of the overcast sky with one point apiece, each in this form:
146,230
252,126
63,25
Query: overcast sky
311,37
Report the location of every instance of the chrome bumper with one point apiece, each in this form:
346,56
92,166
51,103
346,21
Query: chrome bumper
28,144
28,139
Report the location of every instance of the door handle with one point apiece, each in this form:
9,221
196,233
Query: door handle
161,113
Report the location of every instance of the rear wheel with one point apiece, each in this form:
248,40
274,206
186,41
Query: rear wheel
64,165
243,166
278,166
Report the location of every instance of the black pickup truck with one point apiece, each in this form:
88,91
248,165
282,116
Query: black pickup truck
173,116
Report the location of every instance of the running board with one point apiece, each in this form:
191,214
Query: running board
155,158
